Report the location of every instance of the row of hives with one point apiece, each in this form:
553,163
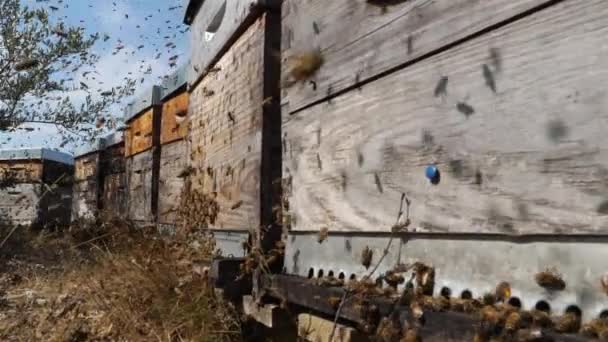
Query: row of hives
304,104
487,116
134,173
334,113
205,144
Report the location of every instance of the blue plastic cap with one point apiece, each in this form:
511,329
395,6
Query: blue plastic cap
431,172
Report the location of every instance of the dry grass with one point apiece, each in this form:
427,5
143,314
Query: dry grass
111,282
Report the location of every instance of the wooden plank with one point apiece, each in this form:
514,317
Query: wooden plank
213,28
173,170
226,119
20,171
56,173
84,199
139,185
359,40
86,167
113,160
19,204
174,124
138,137
115,195
55,207
315,328
530,157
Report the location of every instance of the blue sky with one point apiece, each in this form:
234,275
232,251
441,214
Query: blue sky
142,29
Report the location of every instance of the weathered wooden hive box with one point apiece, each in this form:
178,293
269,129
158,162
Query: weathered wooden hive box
232,113
507,131
141,136
35,187
174,157
114,194
85,203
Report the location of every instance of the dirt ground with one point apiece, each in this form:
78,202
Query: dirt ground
109,282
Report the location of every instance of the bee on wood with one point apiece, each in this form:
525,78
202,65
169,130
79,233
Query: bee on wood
541,319
388,330
425,278
323,233
393,279
330,281
488,299
604,282
502,292
236,205
569,323
518,320
550,279
267,101
595,328
185,172
408,295
366,257
208,92
489,317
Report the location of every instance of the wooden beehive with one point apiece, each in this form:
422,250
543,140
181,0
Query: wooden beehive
519,142
86,183
35,187
174,158
114,194
215,25
231,125
142,152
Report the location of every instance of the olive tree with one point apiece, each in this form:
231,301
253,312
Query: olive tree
39,61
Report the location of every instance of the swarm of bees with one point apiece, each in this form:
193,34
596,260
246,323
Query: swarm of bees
597,328
500,315
197,210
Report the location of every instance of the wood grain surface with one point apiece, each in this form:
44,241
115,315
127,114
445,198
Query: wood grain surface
139,182
174,124
19,204
515,121
21,171
213,30
173,170
359,40
138,136
226,120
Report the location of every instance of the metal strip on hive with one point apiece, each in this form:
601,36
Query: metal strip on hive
472,263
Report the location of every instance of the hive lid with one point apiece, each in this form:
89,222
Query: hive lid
145,100
175,81
36,154
86,149
111,140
